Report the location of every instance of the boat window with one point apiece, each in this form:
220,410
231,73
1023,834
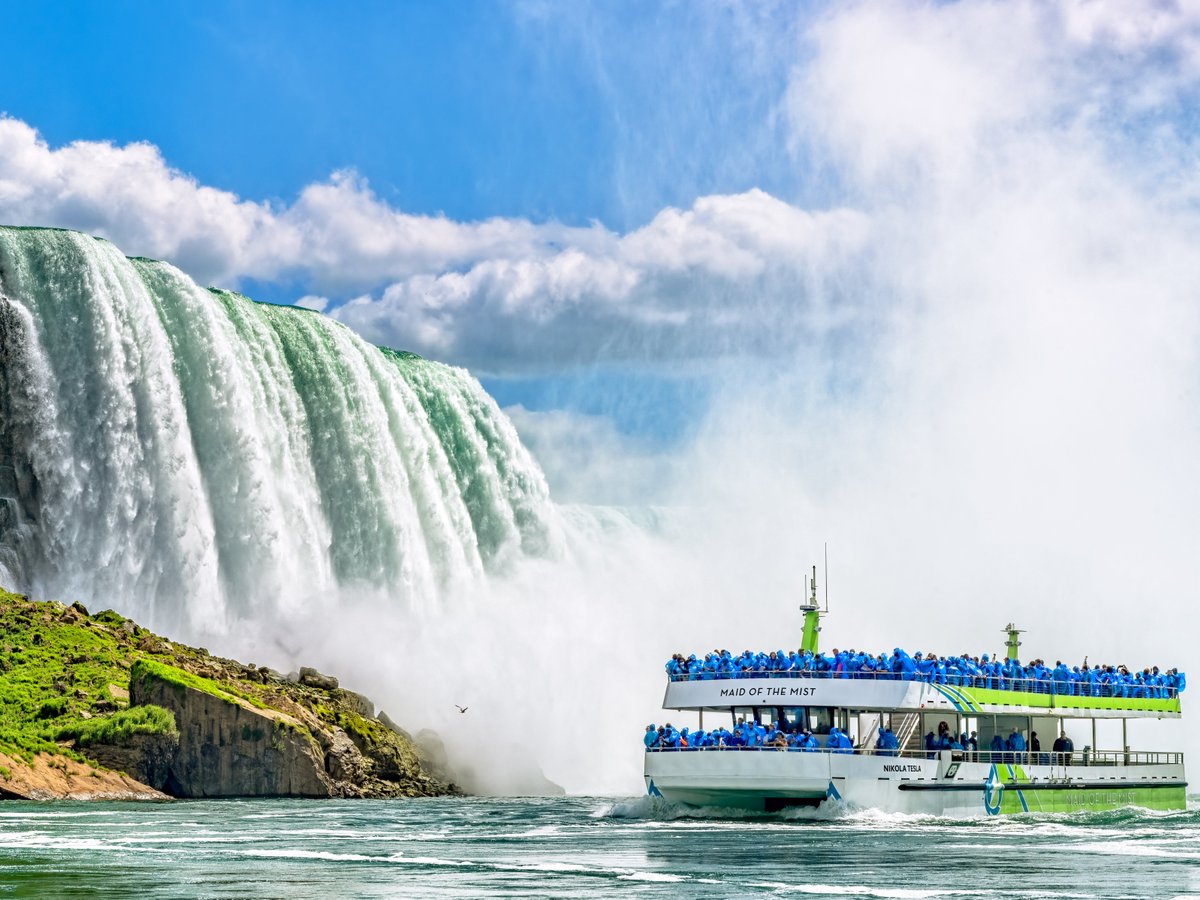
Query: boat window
741,713
820,718
793,718
766,716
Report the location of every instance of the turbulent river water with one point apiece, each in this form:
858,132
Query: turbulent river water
580,847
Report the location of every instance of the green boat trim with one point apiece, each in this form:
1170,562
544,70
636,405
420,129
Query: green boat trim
1048,786
976,698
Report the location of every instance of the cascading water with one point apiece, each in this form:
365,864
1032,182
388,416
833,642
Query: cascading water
193,458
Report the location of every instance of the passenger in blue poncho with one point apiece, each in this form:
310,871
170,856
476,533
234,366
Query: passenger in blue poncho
887,744
839,741
997,748
1016,745
651,738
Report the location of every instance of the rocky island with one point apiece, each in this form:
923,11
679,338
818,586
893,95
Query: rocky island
97,707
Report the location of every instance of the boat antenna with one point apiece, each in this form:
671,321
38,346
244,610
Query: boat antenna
827,577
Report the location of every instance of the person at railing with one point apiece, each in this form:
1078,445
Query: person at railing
930,746
945,739
651,739
1035,750
996,748
1061,676
888,744
806,741
1016,746
1063,748
970,744
839,741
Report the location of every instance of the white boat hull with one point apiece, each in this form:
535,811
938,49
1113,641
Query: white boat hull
769,780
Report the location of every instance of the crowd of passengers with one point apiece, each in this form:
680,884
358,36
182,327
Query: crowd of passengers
966,671
745,734
751,734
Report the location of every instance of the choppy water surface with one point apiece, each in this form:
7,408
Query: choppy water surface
578,847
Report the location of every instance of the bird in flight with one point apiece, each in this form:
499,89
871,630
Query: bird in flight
461,709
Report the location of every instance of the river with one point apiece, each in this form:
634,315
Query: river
579,847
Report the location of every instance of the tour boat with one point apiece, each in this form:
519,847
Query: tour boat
962,783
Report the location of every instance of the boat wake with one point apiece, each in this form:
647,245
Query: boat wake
1130,819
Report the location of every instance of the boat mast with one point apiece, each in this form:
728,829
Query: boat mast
1013,641
812,617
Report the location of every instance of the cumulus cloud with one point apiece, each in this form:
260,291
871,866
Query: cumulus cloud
501,295
732,274
336,235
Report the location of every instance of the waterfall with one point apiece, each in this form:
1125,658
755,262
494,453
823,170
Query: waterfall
194,458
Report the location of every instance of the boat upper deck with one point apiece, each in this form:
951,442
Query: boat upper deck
908,691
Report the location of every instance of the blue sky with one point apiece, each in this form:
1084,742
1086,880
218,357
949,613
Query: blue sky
474,109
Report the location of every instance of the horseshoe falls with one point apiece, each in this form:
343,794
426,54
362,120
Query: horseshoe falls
193,458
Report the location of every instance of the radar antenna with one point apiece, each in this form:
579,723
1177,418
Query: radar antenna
1014,641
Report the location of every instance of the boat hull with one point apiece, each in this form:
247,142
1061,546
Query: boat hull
770,780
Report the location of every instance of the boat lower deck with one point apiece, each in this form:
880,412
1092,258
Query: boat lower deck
947,783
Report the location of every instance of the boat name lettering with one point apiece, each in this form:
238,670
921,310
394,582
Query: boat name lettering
786,691
896,767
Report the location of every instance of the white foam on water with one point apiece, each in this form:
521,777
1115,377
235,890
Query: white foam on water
541,831
427,860
652,876
308,854
186,839
864,890
1132,848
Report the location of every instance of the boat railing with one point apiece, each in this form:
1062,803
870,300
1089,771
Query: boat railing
1125,691
1084,757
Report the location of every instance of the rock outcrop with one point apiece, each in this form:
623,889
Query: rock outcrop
227,747
234,745
146,757
97,706
48,776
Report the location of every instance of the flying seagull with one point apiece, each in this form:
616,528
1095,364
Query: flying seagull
461,709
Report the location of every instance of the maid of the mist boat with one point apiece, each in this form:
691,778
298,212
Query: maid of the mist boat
911,779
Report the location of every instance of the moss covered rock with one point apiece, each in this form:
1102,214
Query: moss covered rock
105,693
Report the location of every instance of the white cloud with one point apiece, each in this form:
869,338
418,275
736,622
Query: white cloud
733,274
499,295
336,235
